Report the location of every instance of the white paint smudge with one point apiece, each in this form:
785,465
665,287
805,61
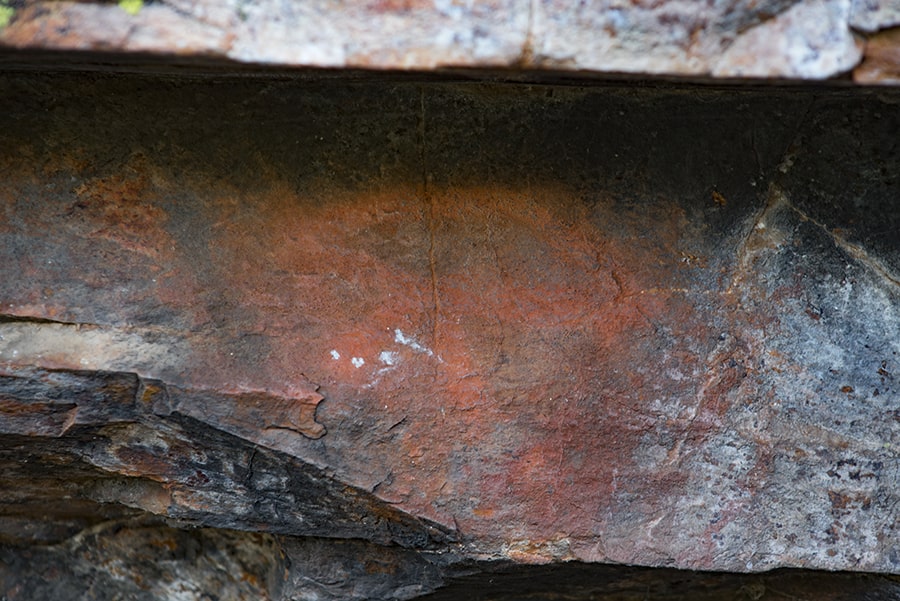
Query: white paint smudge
388,357
335,355
357,362
401,338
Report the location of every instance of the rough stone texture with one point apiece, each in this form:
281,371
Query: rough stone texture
143,560
806,40
383,34
160,466
872,15
802,39
457,322
809,38
882,64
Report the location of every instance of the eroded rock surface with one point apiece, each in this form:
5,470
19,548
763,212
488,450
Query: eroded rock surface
797,39
457,322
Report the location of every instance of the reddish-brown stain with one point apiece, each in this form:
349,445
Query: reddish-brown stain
521,331
490,357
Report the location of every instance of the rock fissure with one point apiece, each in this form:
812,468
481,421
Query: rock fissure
855,251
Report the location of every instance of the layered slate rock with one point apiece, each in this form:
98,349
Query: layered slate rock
431,325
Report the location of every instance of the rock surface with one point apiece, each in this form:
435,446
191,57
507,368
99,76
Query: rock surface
882,63
798,39
444,324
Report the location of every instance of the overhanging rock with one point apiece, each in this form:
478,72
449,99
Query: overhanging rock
795,39
453,321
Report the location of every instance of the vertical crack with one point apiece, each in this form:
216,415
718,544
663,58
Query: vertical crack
759,162
793,149
431,210
750,243
526,58
248,478
620,285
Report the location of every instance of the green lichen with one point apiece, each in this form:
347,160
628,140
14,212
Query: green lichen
132,7
6,14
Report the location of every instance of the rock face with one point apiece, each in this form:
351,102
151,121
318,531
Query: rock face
882,64
799,39
298,335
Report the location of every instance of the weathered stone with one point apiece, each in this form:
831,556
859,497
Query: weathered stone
882,62
174,467
810,40
661,37
458,321
807,40
804,39
872,15
389,34
146,560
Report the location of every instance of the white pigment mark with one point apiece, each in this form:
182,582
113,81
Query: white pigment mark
401,338
388,357
335,355
357,362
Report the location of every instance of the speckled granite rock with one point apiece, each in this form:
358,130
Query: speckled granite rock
872,15
799,39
